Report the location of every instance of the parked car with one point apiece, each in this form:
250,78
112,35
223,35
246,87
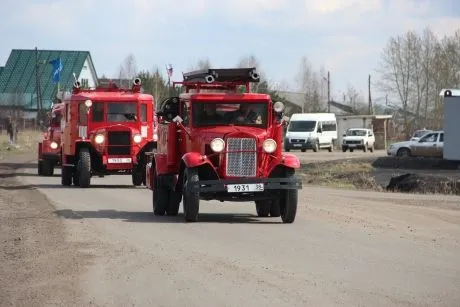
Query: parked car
430,144
419,133
358,138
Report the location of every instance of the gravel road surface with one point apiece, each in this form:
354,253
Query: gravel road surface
346,248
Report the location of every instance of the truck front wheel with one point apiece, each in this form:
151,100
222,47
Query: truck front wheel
160,194
84,168
191,200
288,202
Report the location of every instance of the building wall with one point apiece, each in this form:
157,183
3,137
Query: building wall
87,75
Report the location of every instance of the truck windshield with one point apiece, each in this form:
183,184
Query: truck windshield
302,126
121,112
356,132
229,113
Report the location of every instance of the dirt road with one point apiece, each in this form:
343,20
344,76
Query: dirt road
346,248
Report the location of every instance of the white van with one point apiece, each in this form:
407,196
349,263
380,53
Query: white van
311,131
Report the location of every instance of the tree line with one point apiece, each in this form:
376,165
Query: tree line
413,68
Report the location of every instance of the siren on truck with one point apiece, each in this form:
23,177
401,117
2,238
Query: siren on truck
137,81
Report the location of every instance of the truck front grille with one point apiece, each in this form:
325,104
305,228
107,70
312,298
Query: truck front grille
119,143
352,142
240,163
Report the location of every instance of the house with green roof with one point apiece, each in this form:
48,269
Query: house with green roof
18,78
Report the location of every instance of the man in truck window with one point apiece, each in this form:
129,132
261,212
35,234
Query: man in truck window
209,114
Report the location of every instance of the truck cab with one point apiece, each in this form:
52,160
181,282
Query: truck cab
49,148
217,143
107,130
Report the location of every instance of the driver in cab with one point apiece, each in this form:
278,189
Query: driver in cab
246,115
209,114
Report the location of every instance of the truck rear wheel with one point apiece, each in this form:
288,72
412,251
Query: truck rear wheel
84,168
160,194
40,168
66,175
47,168
263,208
137,175
288,202
191,200
174,203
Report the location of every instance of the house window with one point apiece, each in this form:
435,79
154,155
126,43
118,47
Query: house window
84,83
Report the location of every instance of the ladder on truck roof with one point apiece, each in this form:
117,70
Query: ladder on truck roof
219,79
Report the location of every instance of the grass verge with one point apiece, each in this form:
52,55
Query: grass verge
340,174
26,142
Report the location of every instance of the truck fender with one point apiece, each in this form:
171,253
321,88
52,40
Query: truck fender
287,160
195,159
290,160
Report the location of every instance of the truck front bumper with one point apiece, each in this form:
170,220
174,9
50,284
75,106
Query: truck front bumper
273,184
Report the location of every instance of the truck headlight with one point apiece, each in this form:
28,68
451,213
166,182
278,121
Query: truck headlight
137,138
99,138
54,145
278,107
217,145
269,145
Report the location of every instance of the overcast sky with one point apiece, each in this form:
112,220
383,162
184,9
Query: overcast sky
346,36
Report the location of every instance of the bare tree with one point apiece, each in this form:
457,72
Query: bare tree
127,70
309,83
414,68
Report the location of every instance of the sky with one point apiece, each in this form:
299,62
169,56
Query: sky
346,37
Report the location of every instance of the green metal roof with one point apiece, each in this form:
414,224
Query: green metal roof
18,75
1,69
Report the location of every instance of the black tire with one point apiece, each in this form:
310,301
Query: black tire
47,168
288,203
190,200
275,210
40,168
160,194
365,147
316,147
344,149
303,150
371,149
174,203
352,149
262,208
84,168
137,175
403,152
66,175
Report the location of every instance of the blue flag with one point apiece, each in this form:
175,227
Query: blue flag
57,68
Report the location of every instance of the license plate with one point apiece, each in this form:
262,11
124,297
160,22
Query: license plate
351,145
119,160
239,188
297,145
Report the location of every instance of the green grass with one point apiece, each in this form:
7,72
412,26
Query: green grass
26,142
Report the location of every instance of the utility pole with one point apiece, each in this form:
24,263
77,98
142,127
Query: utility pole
328,92
371,109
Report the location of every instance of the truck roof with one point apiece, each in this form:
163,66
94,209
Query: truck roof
225,96
110,96
312,116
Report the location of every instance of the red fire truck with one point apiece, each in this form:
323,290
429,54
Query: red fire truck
49,149
218,142
107,131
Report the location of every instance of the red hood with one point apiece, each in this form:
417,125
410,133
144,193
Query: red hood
207,134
